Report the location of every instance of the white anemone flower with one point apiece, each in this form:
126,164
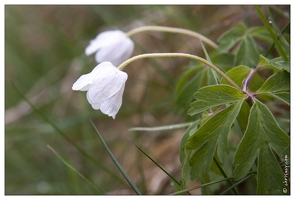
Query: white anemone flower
105,85
113,46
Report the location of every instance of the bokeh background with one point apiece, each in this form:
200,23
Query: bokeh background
44,56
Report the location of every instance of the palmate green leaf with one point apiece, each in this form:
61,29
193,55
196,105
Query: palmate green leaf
260,33
247,53
277,63
279,81
231,37
262,135
210,96
211,135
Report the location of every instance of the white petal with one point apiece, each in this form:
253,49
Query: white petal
85,81
109,82
117,52
95,106
104,39
112,105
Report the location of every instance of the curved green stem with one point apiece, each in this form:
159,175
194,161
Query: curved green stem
172,30
153,55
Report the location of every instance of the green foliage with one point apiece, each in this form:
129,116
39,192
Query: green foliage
246,50
276,63
230,38
216,95
279,81
186,86
241,41
214,132
261,137
222,108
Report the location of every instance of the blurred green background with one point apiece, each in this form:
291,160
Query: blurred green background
44,56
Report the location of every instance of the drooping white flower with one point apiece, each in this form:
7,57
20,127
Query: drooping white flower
105,85
113,46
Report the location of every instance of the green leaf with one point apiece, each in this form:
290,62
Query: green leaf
280,63
186,86
260,33
210,96
276,63
223,60
279,81
239,73
243,117
212,133
269,173
231,37
247,53
265,63
262,135
284,96
185,154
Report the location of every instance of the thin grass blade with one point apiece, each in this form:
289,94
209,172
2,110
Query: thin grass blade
224,175
236,184
136,190
91,185
272,34
200,186
209,59
161,128
173,179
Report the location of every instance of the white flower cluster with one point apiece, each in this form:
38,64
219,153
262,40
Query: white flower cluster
105,83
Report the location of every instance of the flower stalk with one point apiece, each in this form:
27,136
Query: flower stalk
190,56
173,30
